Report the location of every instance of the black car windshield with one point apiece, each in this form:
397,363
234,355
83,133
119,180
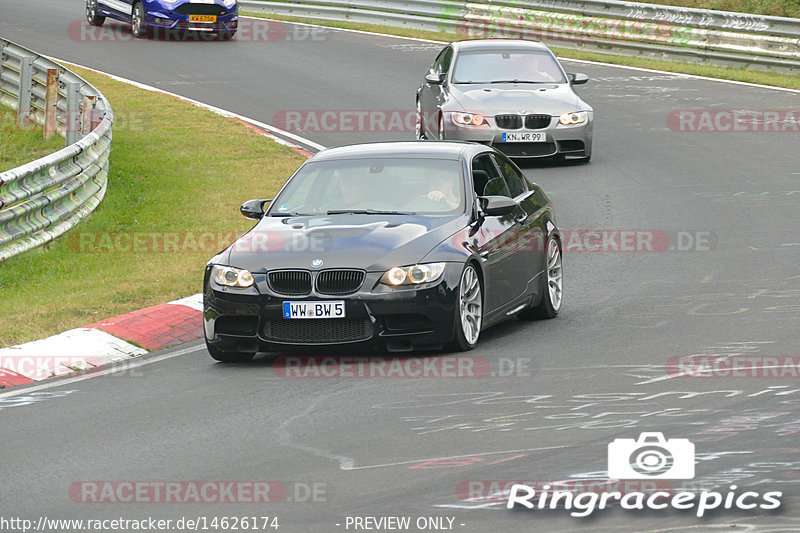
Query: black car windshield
511,66
374,186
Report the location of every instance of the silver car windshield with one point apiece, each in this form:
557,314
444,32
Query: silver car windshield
381,186
507,66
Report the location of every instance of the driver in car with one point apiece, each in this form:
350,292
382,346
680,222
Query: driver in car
441,189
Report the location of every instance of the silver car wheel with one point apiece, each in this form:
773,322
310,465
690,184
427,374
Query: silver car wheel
420,125
554,275
470,305
91,9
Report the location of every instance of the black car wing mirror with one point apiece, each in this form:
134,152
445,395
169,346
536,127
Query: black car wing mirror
254,208
497,205
434,78
578,78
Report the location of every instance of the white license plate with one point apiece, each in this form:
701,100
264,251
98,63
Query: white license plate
532,137
323,309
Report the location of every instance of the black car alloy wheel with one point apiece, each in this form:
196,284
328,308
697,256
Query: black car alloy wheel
469,310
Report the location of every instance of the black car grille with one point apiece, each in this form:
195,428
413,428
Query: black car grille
236,325
201,9
508,122
337,282
318,330
527,149
290,282
537,122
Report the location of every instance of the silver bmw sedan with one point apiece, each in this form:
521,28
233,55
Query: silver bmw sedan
508,93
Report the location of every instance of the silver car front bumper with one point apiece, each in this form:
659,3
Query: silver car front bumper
569,141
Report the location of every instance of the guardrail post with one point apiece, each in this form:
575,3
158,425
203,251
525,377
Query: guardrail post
25,82
87,115
50,102
73,123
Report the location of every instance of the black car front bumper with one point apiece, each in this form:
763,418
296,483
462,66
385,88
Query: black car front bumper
250,320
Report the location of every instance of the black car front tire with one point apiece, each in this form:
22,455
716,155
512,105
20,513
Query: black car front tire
469,310
228,357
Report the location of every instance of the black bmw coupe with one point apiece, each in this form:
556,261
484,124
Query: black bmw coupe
405,245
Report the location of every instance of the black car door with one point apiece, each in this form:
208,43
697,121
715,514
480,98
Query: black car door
495,239
530,225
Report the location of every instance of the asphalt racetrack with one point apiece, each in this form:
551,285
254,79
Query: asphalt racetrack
722,279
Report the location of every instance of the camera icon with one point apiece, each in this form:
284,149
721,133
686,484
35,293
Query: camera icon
651,456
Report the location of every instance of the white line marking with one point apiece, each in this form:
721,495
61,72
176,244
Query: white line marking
641,69
121,367
217,110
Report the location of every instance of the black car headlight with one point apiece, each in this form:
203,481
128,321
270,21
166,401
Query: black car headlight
413,275
231,277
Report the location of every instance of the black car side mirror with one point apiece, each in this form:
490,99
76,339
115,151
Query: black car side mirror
435,78
579,78
254,208
497,205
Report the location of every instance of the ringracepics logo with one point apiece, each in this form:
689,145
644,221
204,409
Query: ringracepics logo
651,456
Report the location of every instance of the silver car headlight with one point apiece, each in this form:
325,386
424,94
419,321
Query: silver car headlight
231,277
413,275
469,119
574,118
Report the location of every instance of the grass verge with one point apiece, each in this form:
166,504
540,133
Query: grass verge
178,174
20,145
736,74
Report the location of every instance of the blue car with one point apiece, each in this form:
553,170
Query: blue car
218,18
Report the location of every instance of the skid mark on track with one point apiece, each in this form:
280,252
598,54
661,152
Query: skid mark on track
285,438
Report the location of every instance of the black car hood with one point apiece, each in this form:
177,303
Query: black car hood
371,242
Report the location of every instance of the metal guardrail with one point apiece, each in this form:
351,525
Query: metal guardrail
43,199
606,26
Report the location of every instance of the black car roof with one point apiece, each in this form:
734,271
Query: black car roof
418,149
